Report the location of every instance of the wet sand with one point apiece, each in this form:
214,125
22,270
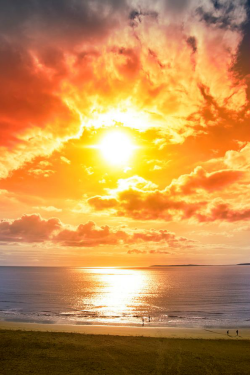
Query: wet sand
145,331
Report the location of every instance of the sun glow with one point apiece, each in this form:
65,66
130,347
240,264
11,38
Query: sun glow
118,290
117,148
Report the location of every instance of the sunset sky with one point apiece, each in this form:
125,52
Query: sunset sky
124,132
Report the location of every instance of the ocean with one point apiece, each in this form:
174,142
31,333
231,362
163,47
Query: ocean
193,296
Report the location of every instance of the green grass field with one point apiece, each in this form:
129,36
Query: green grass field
50,353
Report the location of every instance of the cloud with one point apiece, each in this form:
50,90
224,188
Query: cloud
41,172
158,236
29,228
235,160
136,251
223,212
227,15
102,203
181,199
33,228
40,104
192,42
65,160
242,60
58,21
158,252
200,179
90,235
34,123
144,205
48,208
177,6
238,159
136,16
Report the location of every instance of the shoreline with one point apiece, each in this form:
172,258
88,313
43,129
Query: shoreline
167,332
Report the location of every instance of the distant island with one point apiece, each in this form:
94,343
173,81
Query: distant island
243,264
178,265
196,265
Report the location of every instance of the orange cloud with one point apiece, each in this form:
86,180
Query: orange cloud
200,179
33,228
223,212
90,235
29,228
141,200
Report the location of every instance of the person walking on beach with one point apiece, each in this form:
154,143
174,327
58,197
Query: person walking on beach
237,333
142,320
149,319
228,333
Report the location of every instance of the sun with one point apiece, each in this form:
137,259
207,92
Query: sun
117,148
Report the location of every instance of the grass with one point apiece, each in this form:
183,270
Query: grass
52,353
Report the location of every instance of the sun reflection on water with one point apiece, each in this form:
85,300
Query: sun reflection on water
119,291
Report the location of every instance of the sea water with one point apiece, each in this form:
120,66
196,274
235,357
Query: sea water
198,296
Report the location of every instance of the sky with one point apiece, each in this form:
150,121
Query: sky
124,132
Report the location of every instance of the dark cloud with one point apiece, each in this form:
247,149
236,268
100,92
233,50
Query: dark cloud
136,16
222,18
57,19
217,5
177,5
243,58
192,42
153,54
242,61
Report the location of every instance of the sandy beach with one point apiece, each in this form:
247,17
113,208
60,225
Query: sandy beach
167,332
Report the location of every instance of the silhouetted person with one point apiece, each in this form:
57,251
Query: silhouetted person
142,320
227,332
237,333
149,319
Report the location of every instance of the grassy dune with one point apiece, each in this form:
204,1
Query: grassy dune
52,353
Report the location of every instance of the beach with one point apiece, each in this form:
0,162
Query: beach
101,350
165,332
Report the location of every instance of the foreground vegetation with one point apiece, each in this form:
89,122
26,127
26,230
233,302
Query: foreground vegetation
54,353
